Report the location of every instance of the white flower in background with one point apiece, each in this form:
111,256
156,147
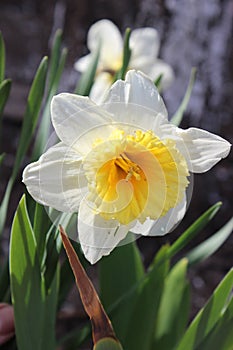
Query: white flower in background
144,43
122,166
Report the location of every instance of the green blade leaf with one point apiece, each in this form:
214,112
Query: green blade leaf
221,336
194,229
55,58
25,281
5,88
126,56
178,116
29,124
141,325
87,78
2,156
209,246
56,67
32,302
2,58
30,119
125,264
208,317
171,322
41,226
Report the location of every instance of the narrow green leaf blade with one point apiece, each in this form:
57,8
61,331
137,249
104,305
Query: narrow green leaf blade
208,317
171,321
221,336
55,58
34,103
2,58
87,78
41,226
126,56
25,281
211,245
5,88
178,116
194,229
45,124
142,321
2,156
125,264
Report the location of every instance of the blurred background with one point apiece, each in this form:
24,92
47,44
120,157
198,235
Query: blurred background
193,33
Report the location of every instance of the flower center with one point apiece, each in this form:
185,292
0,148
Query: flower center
129,167
135,176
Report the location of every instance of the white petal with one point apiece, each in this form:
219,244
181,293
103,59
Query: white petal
159,67
168,222
75,116
57,179
97,236
136,101
106,34
202,148
101,85
144,43
143,229
82,64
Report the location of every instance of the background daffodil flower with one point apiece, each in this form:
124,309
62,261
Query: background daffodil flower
144,44
121,165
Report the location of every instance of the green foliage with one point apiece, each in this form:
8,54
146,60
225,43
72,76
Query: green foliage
209,246
29,124
126,56
87,78
34,305
205,326
178,116
55,70
2,58
171,322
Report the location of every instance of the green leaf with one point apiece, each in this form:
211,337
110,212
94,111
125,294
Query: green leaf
126,56
158,81
140,329
41,226
194,229
125,264
5,88
171,321
25,281
34,306
55,58
178,116
107,344
56,67
209,246
2,58
221,336
29,124
30,119
2,156
87,78
208,317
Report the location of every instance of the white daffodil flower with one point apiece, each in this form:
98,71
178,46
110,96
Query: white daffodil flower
144,43
122,166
